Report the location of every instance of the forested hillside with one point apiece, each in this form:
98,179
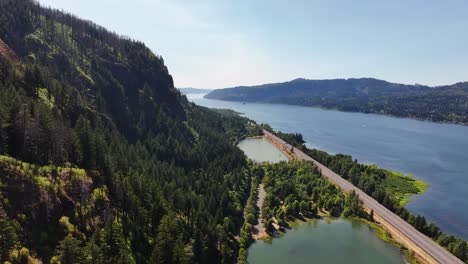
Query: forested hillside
102,159
441,104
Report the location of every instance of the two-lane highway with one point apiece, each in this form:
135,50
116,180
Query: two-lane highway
431,251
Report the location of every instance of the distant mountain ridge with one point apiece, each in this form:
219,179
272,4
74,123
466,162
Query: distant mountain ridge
441,104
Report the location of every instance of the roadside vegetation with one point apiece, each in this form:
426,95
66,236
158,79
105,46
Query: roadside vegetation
389,188
403,186
250,214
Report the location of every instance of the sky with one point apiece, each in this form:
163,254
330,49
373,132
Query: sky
220,43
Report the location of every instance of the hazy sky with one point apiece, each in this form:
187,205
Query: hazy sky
218,43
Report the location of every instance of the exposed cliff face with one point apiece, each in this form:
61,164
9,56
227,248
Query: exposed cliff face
7,53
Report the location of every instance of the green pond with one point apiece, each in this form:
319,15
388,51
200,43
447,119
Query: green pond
260,150
328,241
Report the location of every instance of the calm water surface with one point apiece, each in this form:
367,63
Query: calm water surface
435,153
260,150
326,241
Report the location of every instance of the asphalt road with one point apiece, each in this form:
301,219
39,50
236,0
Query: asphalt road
433,249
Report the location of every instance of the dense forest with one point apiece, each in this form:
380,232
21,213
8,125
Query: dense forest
297,189
251,213
382,185
102,160
440,104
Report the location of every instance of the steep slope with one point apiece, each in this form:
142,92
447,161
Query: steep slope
103,160
445,104
7,53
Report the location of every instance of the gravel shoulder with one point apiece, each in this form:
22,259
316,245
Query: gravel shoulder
259,229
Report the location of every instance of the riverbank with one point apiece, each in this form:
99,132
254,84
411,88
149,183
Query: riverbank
386,237
405,186
460,120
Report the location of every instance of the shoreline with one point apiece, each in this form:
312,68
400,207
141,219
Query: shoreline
385,236
358,112
422,186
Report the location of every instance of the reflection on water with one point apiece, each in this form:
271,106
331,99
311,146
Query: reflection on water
320,241
260,150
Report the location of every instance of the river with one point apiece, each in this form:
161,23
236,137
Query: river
436,153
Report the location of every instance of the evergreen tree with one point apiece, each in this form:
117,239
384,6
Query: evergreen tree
70,251
8,238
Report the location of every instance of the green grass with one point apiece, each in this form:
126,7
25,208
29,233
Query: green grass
403,185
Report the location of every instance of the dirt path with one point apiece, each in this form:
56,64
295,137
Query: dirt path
259,229
423,246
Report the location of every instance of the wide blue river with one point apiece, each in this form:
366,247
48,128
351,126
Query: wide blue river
436,153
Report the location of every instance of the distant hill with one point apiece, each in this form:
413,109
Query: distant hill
194,90
441,104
